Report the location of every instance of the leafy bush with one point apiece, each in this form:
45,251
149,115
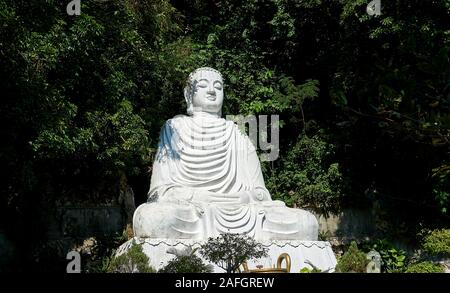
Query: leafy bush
437,243
425,267
97,254
230,250
306,178
132,261
324,235
441,186
306,270
393,260
353,260
186,264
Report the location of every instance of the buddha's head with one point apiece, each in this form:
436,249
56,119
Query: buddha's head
204,91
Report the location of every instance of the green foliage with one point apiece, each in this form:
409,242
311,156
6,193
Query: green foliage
306,270
324,235
190,263
132,261
393,260
228,251
437,243
99,258
306,177
81,95
424,267
87,87
441,189
352,261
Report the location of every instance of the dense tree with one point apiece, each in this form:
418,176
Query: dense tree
80,101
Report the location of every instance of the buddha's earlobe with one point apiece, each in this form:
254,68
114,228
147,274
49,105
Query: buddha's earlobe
188,98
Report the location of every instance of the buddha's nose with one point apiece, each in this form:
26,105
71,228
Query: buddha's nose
211,91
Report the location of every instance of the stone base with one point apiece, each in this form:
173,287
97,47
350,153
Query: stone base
302,253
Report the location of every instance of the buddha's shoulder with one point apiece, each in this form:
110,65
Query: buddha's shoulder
178,118
185,119
175,121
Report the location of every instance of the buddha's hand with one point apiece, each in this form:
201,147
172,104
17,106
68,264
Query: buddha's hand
221,198
241,197
257,195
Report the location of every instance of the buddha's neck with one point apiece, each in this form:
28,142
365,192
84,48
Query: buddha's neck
208,115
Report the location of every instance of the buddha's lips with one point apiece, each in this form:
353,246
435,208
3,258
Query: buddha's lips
211,98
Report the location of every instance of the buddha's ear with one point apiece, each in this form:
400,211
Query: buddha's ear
188,98
187,93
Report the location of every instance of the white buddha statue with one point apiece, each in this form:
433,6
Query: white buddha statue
207,178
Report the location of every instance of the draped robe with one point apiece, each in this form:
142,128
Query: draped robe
211,154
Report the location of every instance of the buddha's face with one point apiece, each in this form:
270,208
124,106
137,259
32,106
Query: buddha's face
207,93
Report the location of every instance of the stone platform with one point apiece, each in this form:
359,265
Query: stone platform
302,253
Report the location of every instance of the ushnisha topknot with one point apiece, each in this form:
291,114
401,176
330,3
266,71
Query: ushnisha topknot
191,75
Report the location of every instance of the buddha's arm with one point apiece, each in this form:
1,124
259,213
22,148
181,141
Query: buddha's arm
162,185
259,191
196,195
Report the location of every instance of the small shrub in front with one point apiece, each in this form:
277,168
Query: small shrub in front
352,261
437,243
425,267
393,259
306,270
132,261
186,264
229,250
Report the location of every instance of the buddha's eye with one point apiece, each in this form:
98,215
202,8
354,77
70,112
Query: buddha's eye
202,84
218,86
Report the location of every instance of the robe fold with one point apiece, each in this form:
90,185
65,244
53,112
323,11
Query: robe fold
209,156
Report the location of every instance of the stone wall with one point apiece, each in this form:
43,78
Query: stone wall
75,221
80,222
7,251
347,225
76,227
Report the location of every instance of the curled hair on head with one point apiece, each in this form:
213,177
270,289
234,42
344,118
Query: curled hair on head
190,88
